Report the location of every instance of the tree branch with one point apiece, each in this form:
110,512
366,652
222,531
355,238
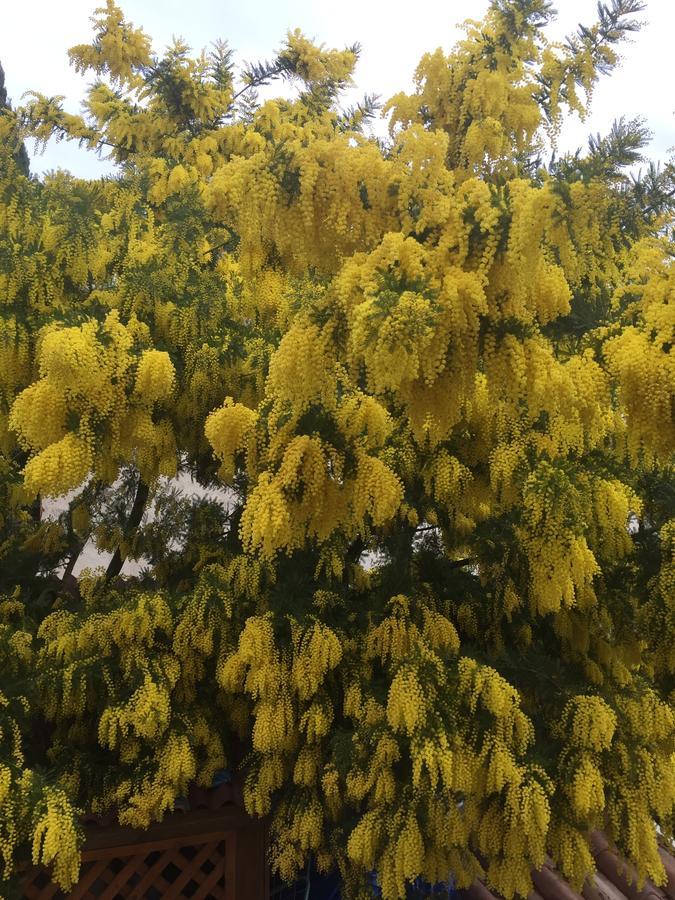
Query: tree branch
458,563
134,520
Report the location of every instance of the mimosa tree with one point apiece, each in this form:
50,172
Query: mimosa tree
428,614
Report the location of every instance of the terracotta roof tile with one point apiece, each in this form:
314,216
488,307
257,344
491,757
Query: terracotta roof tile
616,879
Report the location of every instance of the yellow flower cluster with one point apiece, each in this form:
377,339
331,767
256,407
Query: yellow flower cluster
406,705
365,420
55,838
119,48
435,756
315,64
58,468
15,371
377,491
155,376
500,699
145,715
301,371
86,375
321,223
309,496
589,722
434,358
39,415
228,430
639,356
318,652
136,716
364,840
587,788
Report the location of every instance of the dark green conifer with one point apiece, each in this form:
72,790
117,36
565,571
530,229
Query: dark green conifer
20,156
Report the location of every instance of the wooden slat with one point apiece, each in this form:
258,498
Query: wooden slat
114,858
230,857
47,891
159,883
30,891
148,845
183,828
208,886
151,875
189,871
252,871
123,876
94,872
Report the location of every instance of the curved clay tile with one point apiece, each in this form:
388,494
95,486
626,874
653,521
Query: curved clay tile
478,891
669,865
615,880
599,887
211,798
622,873
552,886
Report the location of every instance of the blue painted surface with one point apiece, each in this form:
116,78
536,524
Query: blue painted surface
315,886
222,776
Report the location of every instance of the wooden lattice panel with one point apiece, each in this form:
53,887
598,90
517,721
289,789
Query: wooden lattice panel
201,868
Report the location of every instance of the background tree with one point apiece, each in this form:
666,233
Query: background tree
431,622
20,156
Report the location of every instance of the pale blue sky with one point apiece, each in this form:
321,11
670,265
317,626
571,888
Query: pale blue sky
35,37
